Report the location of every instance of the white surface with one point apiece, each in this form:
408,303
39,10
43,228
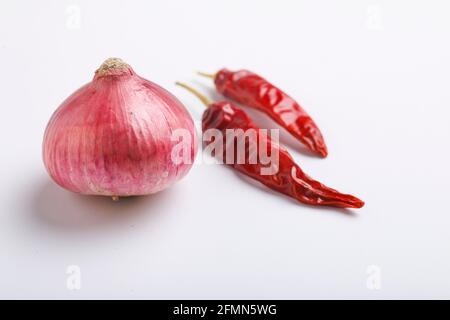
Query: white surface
374,75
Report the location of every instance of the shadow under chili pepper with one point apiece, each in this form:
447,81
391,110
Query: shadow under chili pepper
260,186
263,121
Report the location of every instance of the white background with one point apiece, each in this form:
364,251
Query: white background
373,74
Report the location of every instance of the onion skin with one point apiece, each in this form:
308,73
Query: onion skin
113,136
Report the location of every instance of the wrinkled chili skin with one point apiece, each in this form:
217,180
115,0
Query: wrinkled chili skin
254,91
289,179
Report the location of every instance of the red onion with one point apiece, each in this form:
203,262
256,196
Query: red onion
119,135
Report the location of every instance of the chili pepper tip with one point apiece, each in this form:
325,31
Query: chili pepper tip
353,202
343,201
323,152
356,203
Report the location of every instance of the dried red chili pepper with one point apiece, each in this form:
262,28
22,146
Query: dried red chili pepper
289,179
250,89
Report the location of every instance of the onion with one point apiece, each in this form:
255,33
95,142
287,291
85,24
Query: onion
119,135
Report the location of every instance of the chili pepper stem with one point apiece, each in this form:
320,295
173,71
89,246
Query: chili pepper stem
201,97
207,75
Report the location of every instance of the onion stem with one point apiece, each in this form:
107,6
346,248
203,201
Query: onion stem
115,198
202,98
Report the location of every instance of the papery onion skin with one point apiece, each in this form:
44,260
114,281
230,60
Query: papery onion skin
113,136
